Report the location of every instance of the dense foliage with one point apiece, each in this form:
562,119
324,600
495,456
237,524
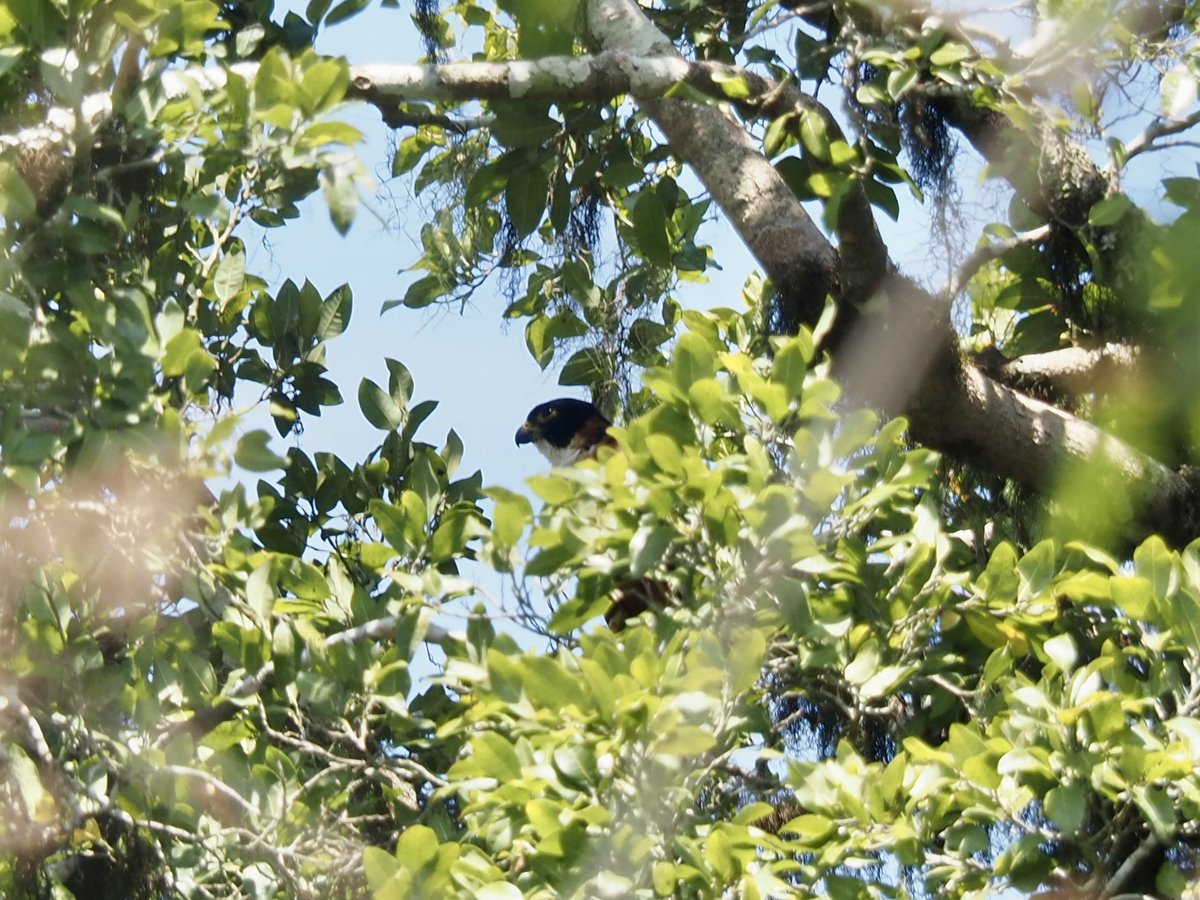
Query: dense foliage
870,668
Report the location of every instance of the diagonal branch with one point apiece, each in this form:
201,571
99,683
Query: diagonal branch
753,195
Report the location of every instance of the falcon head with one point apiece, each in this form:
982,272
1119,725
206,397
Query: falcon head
565,431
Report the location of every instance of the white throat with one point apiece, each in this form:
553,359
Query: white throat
559,456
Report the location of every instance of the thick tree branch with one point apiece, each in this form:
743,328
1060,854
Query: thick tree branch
562,79
1129,868
902,362
758,203
1069,372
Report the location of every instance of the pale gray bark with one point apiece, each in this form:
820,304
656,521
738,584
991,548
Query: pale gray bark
1072,371
754,197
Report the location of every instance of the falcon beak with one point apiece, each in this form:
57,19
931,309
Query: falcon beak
526,434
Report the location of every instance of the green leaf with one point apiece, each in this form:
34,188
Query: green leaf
411,151
900,80
666,453
732,85
548,685
809,828
650,228
1037,569
779,136
826,184
23,773
1062,652
585,367
511,513
1109,211
1183,192
335,313
525,199
814,135
646,334
692,360
379,866
523,126
403,526
254,455
790,368
884,197
454,530
487,183
1157,809
197,368
712,403
491,756
885,681
341,193
323,84
417,848
177,351
1154,562
230,276
380,409
1066,805
647,547
948,54
345,10
283,653
745,665
420,293
865,663
324,133
1178,91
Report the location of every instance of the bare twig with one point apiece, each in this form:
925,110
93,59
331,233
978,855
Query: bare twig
1144,141
986,254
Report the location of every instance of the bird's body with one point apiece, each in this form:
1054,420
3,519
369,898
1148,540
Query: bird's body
566,431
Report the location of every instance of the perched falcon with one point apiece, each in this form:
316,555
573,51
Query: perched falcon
566,431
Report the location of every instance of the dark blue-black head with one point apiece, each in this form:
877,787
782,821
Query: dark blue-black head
565,430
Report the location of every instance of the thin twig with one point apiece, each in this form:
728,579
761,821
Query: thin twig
985,254
1112,890
1158,128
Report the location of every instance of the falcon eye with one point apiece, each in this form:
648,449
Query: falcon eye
550,413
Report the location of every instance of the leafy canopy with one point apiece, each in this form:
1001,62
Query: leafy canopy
867,671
